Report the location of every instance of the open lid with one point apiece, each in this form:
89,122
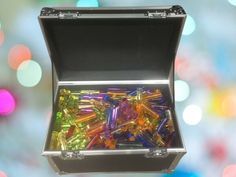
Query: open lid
112,44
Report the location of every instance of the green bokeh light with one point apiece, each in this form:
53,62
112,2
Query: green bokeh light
29,73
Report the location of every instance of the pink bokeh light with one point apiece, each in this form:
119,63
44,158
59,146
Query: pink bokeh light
230,171
217,150
1,38
2,174
7,103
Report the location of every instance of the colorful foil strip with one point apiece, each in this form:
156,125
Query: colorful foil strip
112,118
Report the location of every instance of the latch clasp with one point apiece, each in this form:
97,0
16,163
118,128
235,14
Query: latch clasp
157,14
155,153
72,155
68,15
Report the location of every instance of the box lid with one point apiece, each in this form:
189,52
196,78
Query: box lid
87,44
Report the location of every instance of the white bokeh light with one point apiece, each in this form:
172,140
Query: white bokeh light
29,73
189,26
182,90
232,2
192,115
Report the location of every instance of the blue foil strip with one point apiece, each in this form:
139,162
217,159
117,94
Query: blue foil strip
162,124
109,117
133,93
145,141
110,100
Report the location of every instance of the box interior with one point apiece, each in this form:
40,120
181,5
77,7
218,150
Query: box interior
89,49
176,142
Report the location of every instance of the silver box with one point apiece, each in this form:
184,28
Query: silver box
100,47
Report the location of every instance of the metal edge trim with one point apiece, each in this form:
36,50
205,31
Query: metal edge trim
117,8
115,172
177,122
53,165
112,16
113,152
180,132
119,82
176,161
54,97
47,136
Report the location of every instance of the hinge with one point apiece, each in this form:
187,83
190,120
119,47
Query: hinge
156,153
157,14
68,15
72,155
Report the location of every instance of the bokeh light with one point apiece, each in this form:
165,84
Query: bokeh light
7,103
182,90
192,114
217,149
230,171
1,37
29,73
189,26
229,104
223,103
182,173
17,55
48,117
2,174
183,66
87,3
232,2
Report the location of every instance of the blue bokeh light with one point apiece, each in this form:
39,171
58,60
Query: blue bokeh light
87,3
190,26
182,173
232,2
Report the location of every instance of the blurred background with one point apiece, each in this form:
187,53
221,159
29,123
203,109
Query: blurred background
205,87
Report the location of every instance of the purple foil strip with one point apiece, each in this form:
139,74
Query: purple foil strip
86,110
117,89
93,96
114,117
127,111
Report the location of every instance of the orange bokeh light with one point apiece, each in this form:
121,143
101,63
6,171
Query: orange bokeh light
1,37
17,55
229,104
